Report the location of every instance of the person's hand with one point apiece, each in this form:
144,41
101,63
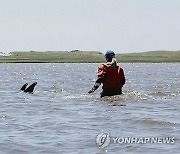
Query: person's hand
90,91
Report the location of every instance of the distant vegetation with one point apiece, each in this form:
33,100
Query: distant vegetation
151,56
77,56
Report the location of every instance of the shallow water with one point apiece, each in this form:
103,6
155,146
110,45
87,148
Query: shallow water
60,117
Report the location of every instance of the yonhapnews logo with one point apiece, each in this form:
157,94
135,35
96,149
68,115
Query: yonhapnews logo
104,139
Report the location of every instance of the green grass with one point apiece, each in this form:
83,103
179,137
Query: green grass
151,56
88,57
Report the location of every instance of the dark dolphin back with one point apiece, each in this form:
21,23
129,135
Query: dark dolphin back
31,88
24,87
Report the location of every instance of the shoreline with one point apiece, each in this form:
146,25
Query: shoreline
89,57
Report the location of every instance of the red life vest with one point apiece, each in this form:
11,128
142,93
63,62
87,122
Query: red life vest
114,77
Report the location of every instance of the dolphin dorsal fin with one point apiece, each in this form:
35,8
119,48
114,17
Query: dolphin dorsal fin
30,89
24,87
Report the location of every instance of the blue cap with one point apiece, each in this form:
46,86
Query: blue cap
109,53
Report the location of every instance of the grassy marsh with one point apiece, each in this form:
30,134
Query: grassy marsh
88,57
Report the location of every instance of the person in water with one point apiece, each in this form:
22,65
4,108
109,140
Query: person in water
111,76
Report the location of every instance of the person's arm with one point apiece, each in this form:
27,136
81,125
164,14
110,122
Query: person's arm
101,78
97,84
122,77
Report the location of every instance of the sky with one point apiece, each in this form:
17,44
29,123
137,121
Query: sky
123,26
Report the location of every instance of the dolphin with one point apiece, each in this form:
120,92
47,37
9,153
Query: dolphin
30,89
24,87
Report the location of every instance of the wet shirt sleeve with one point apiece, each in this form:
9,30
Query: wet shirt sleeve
101,71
